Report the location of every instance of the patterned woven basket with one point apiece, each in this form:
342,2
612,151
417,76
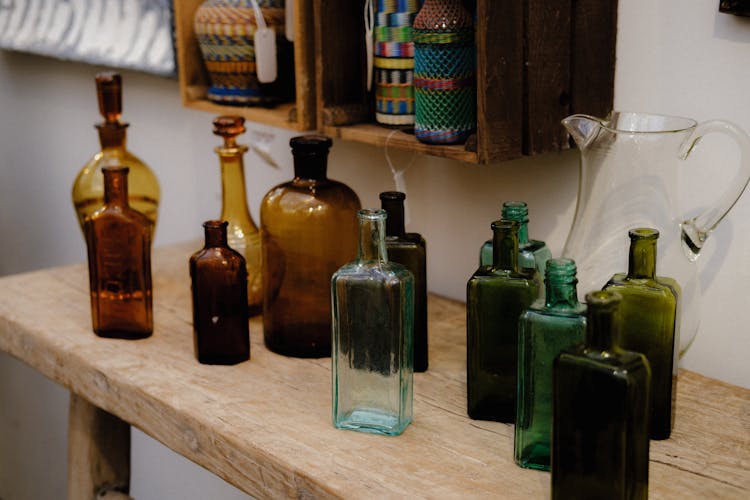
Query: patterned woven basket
394,61
225,30
444,73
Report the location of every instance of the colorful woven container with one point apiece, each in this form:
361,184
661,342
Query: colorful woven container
225,30
444,73
394,61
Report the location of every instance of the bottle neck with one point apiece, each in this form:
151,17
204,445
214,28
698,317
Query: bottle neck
116,188
233,195
602,330
215,233
112,135
642,258
372,236
561,295
505,247
394,223
311,166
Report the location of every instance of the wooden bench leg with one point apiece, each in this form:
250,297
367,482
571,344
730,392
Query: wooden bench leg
98,452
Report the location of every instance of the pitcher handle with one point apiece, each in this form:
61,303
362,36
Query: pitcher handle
695,231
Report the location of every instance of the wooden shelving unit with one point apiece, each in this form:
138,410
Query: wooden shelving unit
265,425
537,62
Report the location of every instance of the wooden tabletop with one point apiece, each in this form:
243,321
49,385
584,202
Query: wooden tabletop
265,425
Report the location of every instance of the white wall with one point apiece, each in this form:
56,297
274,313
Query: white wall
676,57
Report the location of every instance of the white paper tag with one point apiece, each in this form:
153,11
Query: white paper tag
291,5
265,54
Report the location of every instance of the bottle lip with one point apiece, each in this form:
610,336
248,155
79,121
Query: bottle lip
215,224
310,143
115,169
392,196
505,224
603,299
561,269
372,214
643,233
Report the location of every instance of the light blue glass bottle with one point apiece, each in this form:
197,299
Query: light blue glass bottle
531,253
545,329
373,322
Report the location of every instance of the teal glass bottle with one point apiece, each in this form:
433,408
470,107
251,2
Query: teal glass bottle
495,298
531,253
548,327
373,321
600,412
409,250
649,313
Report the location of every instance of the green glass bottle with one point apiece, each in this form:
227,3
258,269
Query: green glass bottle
649,324
495,298
600,412
531,253
548,327
409,250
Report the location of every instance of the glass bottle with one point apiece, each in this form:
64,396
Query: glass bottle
649,313
242,233
309,230
119,257
531,253
373,308
88,187
600,412
549,326
409,250
219,290
495,298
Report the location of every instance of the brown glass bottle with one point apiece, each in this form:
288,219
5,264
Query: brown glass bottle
309,230
119,255
409,250
242,233
219,285
88,188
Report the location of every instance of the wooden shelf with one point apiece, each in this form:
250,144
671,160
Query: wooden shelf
265,425
194,80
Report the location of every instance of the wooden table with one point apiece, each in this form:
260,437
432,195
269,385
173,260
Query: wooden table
265,425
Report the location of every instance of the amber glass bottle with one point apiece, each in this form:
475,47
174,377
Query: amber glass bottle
219,285
88,188
242,233
309,229
409,250
119,255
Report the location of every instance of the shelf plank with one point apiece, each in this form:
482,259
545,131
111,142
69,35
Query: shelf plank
282,116
265,425
370,133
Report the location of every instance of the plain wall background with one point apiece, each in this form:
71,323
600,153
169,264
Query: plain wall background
679,57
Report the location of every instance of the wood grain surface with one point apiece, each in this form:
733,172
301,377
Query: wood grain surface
265,425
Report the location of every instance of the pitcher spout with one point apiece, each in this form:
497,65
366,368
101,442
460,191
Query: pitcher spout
582,128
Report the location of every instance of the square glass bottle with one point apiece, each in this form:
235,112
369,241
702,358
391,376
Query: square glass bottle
649,313
373,315
548,327
495,298
600,412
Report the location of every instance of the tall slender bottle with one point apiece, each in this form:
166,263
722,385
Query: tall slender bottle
600,413
242,233
88,187
219,289
531,253
309,230
649,313
409,250
373,307
118,239
495,298
549,326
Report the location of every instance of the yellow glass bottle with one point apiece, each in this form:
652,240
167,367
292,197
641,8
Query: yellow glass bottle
88,188
242,233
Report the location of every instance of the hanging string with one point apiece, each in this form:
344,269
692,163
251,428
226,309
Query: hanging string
369,40
398,174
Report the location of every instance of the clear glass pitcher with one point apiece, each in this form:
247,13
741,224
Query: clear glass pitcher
630,176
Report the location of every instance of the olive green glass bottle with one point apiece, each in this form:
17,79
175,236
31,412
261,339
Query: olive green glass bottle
649,313
548,327
409,250
531,253
495,298
600,412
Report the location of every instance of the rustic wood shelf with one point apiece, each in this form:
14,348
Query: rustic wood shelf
265,425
